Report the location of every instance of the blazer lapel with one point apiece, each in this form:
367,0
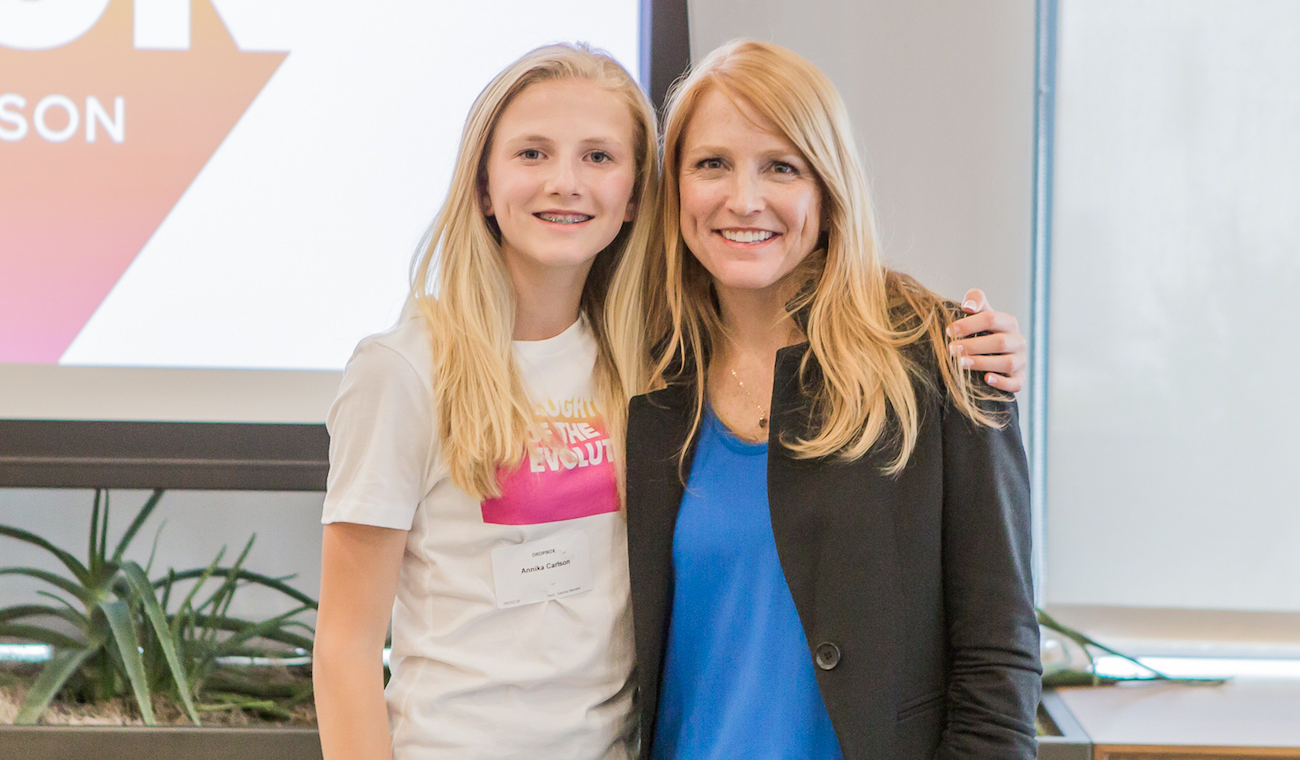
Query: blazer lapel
833,522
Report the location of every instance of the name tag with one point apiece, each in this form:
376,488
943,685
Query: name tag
550,568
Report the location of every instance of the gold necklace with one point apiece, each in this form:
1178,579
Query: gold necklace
762,413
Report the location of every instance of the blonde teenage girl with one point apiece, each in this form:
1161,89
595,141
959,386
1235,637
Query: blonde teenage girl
476,447
473,491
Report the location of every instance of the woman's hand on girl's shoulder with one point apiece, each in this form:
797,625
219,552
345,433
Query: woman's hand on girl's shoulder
990,342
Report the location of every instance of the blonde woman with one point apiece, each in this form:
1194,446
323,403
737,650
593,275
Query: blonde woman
476,447
828,519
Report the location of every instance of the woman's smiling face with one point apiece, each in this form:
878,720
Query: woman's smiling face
750,204
560,173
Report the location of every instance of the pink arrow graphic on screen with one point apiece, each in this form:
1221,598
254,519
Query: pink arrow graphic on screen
74,213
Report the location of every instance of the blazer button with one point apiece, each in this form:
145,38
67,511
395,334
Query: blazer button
827,655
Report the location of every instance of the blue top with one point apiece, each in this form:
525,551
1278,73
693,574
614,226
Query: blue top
738,676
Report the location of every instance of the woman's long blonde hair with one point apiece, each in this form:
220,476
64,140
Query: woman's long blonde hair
484,415
861,319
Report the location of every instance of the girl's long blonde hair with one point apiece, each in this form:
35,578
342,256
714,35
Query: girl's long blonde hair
484,415
867,326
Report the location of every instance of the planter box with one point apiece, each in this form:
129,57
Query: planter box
182,743
1073,742
157,743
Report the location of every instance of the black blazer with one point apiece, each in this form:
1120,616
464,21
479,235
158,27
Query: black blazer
914,591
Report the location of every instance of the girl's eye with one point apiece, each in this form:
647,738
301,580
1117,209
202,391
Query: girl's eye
601,157
530,154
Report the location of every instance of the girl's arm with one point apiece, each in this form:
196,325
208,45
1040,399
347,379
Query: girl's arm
999,353
360,565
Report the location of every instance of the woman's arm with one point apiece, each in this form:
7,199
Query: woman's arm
1000,354
994,679
360,565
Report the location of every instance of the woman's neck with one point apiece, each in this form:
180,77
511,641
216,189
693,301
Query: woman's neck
756,322
741,370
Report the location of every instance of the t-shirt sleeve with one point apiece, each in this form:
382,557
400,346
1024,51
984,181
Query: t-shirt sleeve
381,440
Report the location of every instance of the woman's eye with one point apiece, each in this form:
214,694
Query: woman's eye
781,167
709,163
530,154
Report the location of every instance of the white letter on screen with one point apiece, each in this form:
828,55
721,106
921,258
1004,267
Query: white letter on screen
28,25
162,24
95,112
55,101
19,129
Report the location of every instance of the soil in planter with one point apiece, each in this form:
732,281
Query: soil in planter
17,678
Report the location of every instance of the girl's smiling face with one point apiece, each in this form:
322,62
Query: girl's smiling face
750,204
561,168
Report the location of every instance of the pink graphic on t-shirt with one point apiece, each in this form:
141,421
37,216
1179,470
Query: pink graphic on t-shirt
559,482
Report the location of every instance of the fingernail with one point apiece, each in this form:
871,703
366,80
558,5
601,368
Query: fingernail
952,349
991,379
952,331
967,362
969,305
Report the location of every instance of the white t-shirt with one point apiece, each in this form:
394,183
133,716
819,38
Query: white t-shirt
480,667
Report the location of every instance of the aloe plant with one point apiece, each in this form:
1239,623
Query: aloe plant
1090,677
122,636
206,633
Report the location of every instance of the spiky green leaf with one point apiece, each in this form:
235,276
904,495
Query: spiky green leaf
22,611
127,639
136,524
72,563
231,701
202,576
158,620
102,554
81,593
221,599
153,548
245,575
55,673
1085,642
237,626
94,554
259,630
39,634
